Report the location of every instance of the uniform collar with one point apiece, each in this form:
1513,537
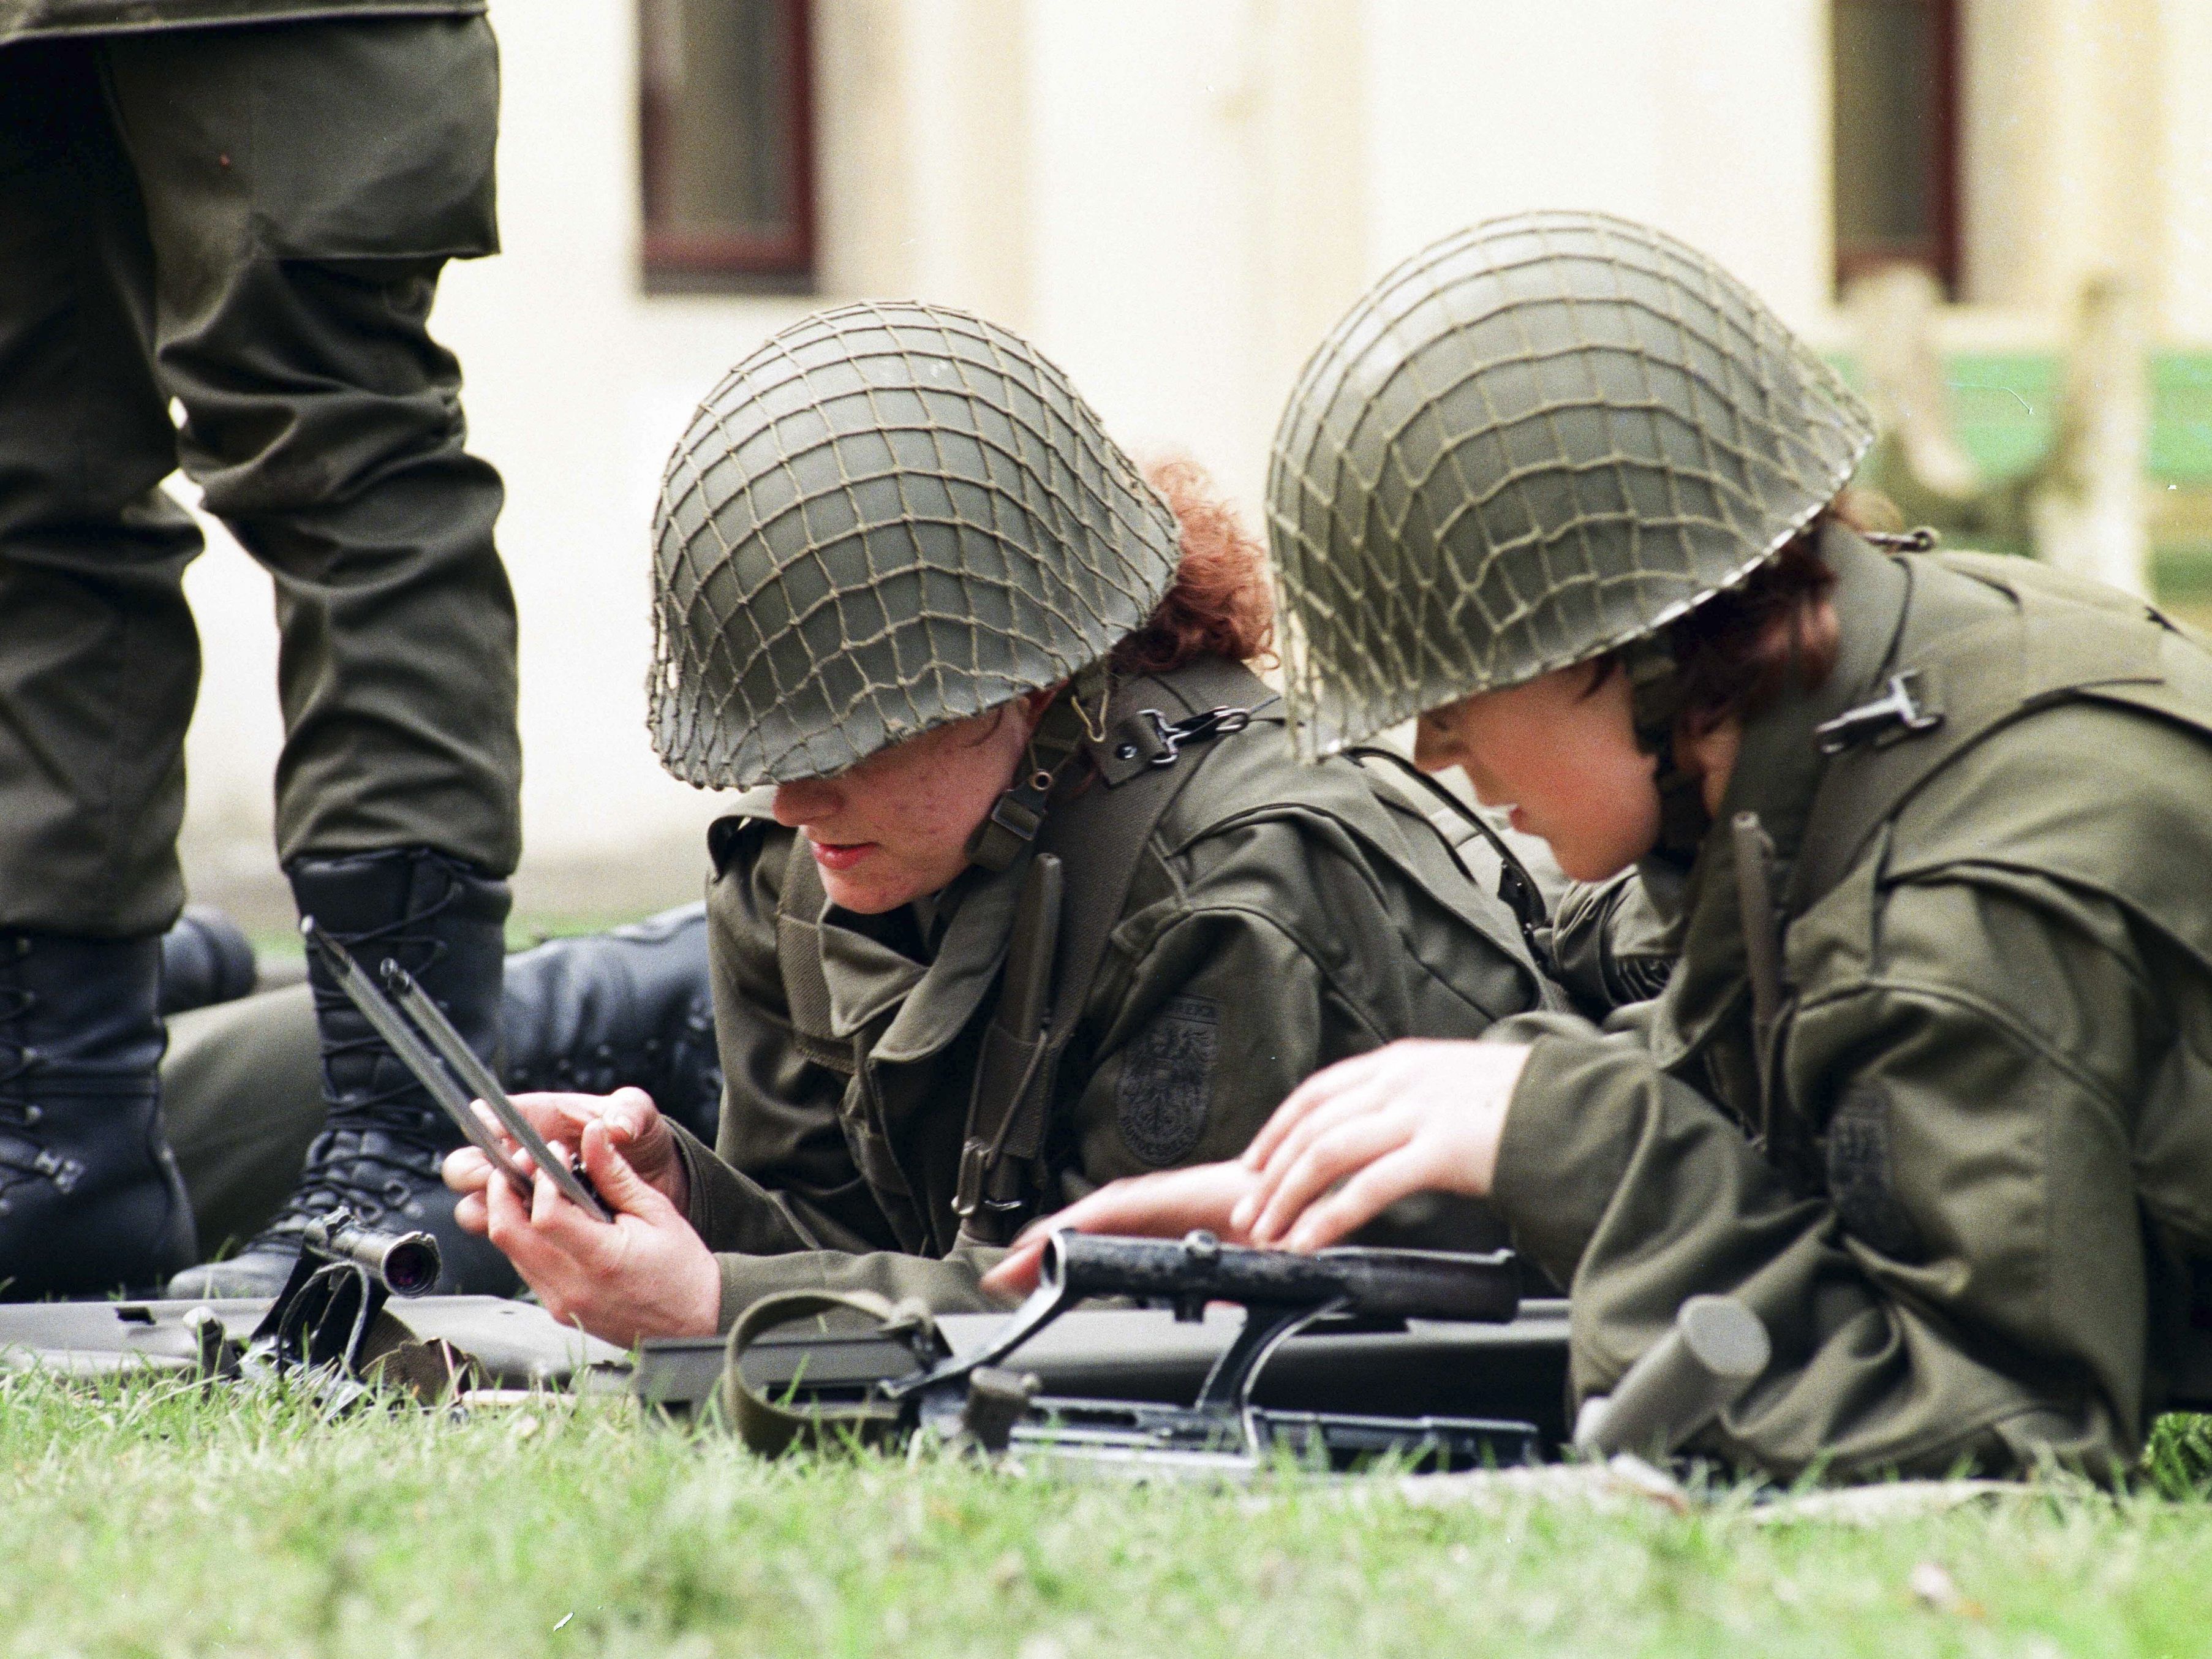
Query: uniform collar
1778,764
971,943
1778,769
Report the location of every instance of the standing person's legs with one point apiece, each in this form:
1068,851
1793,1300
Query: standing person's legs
99,666
305,184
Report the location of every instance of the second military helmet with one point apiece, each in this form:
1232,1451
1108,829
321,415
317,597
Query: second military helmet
890,517
1535,441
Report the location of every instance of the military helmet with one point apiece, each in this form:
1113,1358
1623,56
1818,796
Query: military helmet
1534,441
888,517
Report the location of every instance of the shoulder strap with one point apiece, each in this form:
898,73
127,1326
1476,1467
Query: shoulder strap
1136,769
1456,823
1954,687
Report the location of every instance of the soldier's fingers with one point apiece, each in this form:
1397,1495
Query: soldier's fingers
545,1197
1289,1148
1364,1096
618,1182
1349,1146
466,1171
1016,1275
553,1114
1393,1176
507,1220
499,1134
632,1117
543,1264
1316,1090
469,1214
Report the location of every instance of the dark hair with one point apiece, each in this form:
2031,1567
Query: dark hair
1739,651
1220,604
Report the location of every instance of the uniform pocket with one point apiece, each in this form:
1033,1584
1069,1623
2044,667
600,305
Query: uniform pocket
374,140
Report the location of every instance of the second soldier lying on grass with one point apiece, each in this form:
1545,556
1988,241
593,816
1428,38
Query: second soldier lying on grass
903,576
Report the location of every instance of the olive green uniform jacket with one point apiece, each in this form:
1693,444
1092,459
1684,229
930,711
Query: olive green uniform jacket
1280,917
1968,1195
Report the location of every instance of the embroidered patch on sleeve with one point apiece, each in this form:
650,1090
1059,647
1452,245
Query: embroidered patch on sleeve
1167,1081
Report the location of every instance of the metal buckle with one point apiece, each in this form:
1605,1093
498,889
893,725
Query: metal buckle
1171,735
967,1191
1896,707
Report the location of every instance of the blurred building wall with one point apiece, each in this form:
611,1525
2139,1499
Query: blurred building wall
1176,198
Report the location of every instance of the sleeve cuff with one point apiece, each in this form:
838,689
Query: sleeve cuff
1563,1152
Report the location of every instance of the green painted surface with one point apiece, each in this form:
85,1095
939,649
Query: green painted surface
2003,403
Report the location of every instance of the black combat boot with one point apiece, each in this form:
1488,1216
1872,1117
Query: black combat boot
90,1201
206,959
385,1139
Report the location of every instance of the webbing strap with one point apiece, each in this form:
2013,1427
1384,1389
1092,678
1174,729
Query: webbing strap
1100,835
772,1429
799,959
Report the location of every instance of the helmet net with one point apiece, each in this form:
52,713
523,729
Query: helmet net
888,517
1534,441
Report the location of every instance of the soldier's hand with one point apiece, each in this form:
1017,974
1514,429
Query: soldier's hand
635,1126
1418,1116
645,1273
1164,1205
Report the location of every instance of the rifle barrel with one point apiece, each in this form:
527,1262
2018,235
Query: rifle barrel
1382,1284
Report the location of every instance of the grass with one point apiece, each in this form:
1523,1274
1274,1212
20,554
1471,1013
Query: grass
142,1518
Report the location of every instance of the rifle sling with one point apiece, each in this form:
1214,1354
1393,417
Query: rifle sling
769,1428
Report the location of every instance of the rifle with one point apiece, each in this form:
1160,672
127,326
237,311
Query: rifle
894,1374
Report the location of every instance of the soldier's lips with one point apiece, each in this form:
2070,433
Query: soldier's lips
1519,820
834,855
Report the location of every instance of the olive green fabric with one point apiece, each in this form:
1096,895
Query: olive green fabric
21,19
1984,1180
1534,441
891,516
1613,943
251,222
241,1099
1281,917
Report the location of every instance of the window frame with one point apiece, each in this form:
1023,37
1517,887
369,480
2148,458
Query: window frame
1941,252
682,262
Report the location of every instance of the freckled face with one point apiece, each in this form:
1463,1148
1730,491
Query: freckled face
1561,751
896,825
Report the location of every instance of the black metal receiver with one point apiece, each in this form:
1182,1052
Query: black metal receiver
970,1396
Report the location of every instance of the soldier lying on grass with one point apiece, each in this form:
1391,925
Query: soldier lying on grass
1928,1089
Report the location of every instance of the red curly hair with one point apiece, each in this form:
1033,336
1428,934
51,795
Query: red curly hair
1220,604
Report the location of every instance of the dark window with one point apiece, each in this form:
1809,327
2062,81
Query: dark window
1896,67
726,129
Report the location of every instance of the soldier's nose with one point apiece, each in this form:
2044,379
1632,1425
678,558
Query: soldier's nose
808,801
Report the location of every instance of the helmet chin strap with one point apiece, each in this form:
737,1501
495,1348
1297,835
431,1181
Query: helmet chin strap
1655,705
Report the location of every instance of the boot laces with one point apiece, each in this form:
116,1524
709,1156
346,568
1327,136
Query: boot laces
415,949
369,1167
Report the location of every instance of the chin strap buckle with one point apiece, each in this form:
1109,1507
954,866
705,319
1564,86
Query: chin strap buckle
1896,710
